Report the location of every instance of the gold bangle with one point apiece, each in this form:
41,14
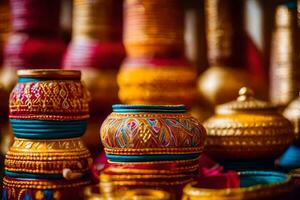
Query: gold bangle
163,150
185,169
124,177
51,145
140,194
143,183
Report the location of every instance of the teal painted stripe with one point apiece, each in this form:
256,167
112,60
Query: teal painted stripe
252,178
45,129
291,158
154,157
47,136
32,176
27,79
123,108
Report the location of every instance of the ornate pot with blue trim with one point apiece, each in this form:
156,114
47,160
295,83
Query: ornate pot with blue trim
151,145
48,115
254,185
247,133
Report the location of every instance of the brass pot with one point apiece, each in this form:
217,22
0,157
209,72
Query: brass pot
247,129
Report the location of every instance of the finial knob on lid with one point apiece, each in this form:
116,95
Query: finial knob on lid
245,93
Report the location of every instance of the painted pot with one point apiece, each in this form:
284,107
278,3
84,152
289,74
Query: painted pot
247,133
258,185
151,146
48,115
134,133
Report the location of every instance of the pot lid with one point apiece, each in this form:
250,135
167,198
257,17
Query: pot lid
293,109
246,102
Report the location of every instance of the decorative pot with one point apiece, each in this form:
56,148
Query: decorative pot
48,115
157,146
247,133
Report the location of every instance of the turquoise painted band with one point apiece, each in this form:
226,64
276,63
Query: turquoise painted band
44,129
251,178
291,158
154,157
124,108
32,176
27,80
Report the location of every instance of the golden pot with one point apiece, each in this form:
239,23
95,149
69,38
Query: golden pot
247,129
219,84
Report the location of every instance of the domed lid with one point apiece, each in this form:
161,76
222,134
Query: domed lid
246,102
293,109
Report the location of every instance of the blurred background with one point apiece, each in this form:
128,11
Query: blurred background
222,44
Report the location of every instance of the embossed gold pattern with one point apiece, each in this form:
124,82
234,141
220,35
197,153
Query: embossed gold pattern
247,129
66,100
48,156
44,146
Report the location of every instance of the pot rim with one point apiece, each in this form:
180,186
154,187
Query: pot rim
138,108
49,73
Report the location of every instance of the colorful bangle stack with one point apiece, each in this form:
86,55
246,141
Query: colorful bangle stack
284,71
220,82
4,26
148,145
34,41
155,55
48,114
97,50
